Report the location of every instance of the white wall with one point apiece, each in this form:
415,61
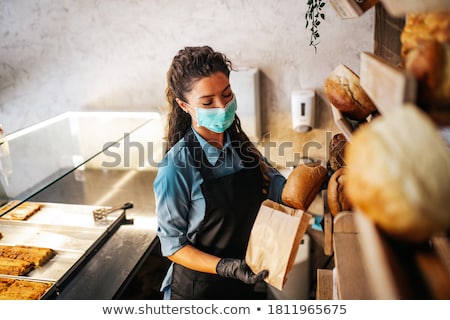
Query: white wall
71,55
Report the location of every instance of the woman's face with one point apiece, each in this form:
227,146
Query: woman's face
209,92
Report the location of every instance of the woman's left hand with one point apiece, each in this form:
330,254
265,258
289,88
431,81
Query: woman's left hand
238,269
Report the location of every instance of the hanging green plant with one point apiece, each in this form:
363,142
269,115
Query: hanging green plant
313,17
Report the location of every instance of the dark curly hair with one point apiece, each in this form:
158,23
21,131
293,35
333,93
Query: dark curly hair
188,66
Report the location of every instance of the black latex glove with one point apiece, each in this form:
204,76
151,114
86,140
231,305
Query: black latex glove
238,269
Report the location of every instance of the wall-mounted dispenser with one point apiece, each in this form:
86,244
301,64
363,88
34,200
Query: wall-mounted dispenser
303,110
245,85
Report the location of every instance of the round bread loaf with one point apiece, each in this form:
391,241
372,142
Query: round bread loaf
344,91
399,174
429,62
425,54
336,149
336,196
424,26
303,184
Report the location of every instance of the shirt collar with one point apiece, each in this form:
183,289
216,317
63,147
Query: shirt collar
211,152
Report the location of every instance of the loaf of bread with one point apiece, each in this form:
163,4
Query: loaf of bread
336,196
426,55
422,27
429,62
399,174
336,150
303,184
344,91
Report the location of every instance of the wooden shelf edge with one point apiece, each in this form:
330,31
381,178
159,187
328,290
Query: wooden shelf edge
324,290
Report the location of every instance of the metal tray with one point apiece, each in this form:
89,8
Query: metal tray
49,236
70,230
69,215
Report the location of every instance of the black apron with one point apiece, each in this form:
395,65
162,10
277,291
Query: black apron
232,203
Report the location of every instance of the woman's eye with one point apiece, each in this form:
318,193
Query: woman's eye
227,95
207,103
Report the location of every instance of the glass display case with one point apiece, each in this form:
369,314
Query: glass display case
72,165
34,158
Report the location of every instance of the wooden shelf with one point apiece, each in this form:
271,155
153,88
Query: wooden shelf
371,265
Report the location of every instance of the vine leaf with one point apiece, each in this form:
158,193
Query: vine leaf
313,17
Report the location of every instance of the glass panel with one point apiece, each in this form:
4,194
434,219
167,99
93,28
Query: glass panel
44,153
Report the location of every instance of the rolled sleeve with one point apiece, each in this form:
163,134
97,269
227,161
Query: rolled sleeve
180,205
277,183
172,208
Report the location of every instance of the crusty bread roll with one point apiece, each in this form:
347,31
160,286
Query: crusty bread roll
399,174
429,62
425,53
424,26
344,91
303,184
336,196
336,149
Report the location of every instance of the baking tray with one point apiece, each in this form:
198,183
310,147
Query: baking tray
49,236
70,230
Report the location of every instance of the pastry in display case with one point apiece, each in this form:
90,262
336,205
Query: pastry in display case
15,289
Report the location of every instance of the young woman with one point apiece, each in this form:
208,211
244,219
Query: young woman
210,183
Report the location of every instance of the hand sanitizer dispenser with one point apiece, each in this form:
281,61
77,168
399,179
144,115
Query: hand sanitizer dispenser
303,110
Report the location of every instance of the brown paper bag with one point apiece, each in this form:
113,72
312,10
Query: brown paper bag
274,241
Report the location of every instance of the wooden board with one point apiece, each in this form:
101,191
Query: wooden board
372,265
387,85
351,8
352,280
442,245
347,8
379,275
400,270
342,123
328,234
400,8
324,290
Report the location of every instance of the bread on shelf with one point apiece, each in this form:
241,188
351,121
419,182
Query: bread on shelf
398,174
303,184
425,53
337,199
336,151
343,89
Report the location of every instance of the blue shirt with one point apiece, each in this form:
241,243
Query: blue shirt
180,205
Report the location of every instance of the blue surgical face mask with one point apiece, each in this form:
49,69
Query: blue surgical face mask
217,119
